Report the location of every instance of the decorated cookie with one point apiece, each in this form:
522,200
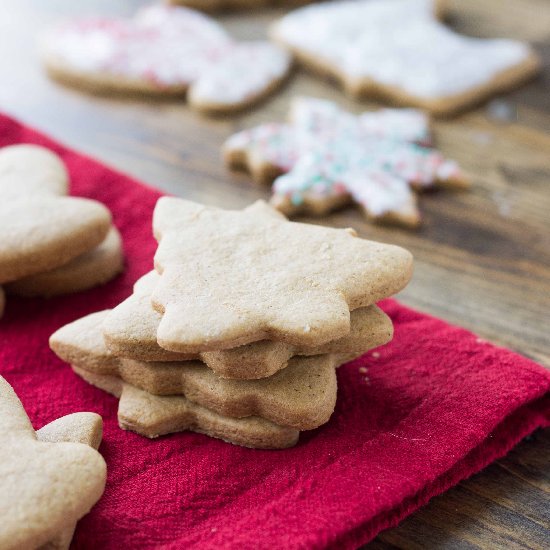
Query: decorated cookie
301,396
153,416
216,5
396,49
165,50
48,479
130,331
326,157
256,276
90,269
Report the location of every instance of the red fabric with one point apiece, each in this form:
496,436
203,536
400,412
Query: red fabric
435,405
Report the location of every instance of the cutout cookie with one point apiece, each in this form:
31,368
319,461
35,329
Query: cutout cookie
326,157
130,331
85,428
397,50
165,50
153,416
301,396
45,486
277,280
88,270
39,229
217,5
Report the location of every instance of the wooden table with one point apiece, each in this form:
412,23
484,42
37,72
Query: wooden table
482,257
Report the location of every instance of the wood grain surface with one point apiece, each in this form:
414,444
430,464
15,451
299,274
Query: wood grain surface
482,257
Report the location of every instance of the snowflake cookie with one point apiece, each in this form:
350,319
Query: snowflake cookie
326,157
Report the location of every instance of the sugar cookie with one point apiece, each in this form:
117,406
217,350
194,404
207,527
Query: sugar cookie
301,396
130,331
153,416
46,485
39,228
276,280
88,270
165,50
326,157
397,50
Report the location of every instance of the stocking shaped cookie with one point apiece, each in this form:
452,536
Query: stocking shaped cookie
326,157
39,228
45,486
165,50
254,275
396,49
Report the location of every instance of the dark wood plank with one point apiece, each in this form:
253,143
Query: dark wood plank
482,257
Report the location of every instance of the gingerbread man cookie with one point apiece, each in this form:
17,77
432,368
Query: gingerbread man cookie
326,157
165,50
397,50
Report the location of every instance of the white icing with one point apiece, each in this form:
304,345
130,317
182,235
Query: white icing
169,46
243,73
327,152
397,43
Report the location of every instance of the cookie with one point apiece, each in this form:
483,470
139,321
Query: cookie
46,484
85,428
130,331
385,49
165,51
217,5
325,158
30,170
88,270
254,275
301,396
153,416
39,228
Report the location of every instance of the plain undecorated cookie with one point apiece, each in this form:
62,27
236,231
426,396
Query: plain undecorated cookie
41,233
46,487
130,331
153,416
396,50
88,270
257,276
83,427
301,396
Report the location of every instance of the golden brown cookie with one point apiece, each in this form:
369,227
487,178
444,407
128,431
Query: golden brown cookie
39,228
88,270
130,331
153,416
301,396
254,275
46,485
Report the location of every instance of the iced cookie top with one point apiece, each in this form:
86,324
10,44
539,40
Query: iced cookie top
168,47
397,43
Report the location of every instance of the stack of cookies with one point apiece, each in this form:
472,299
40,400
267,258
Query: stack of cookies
238,331
50,244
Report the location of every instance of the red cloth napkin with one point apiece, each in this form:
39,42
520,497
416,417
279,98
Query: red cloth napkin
413,418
